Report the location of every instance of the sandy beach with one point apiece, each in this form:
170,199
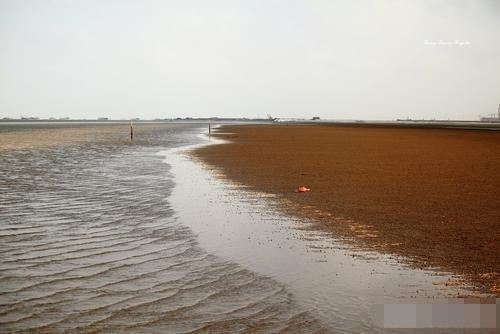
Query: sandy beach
429,195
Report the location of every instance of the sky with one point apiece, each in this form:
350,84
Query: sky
349,59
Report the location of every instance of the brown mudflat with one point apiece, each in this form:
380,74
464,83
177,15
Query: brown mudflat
431,195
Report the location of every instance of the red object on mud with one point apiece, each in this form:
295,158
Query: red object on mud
302,189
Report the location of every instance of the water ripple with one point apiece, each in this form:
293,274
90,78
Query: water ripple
88,243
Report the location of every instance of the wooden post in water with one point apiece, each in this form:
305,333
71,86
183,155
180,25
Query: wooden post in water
209,128
131,131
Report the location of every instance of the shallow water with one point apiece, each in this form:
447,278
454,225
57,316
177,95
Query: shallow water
89,242
109,236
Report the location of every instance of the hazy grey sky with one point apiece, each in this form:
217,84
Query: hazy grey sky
334,59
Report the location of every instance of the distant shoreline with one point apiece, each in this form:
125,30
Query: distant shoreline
191,120
439,124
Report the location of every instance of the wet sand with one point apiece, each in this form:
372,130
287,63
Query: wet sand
430,195
327,277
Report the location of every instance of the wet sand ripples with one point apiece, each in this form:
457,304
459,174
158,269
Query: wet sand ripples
88,243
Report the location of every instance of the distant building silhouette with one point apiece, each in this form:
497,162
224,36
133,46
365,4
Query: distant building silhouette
492,117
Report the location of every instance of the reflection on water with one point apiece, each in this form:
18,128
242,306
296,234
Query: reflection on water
90,243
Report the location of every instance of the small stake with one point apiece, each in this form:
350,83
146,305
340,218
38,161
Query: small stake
209,129
131,131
